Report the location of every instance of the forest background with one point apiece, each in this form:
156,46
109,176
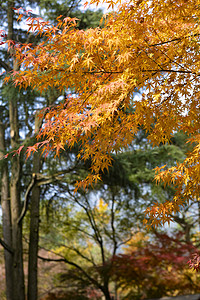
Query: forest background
91,244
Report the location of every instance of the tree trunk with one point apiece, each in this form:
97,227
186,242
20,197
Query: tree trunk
106,292
6,218
18,289
107,295
34,228
18,272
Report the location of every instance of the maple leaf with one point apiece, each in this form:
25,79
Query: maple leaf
194,263
30,150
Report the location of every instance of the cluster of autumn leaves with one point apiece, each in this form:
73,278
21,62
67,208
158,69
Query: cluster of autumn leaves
151,46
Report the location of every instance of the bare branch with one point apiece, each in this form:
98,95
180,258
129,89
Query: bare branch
5,246
5,66
113,226
63,259
26,198
47,179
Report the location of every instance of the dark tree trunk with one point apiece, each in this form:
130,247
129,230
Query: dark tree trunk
18,288
107,294
18,273
106,290
34,229
6,218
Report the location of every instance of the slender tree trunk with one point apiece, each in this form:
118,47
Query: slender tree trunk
6,218
10,14
18,272
34,229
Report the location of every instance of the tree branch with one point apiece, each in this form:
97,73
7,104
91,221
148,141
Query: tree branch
5,246
173,40
172,71
112,225
5,66
63,259
40,180
26,199
46,179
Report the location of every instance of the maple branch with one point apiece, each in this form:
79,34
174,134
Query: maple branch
109,75
104,72
172,71
151,58
86,72
163,52
173,40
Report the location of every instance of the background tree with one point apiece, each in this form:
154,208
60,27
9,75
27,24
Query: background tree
155,267
17,127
